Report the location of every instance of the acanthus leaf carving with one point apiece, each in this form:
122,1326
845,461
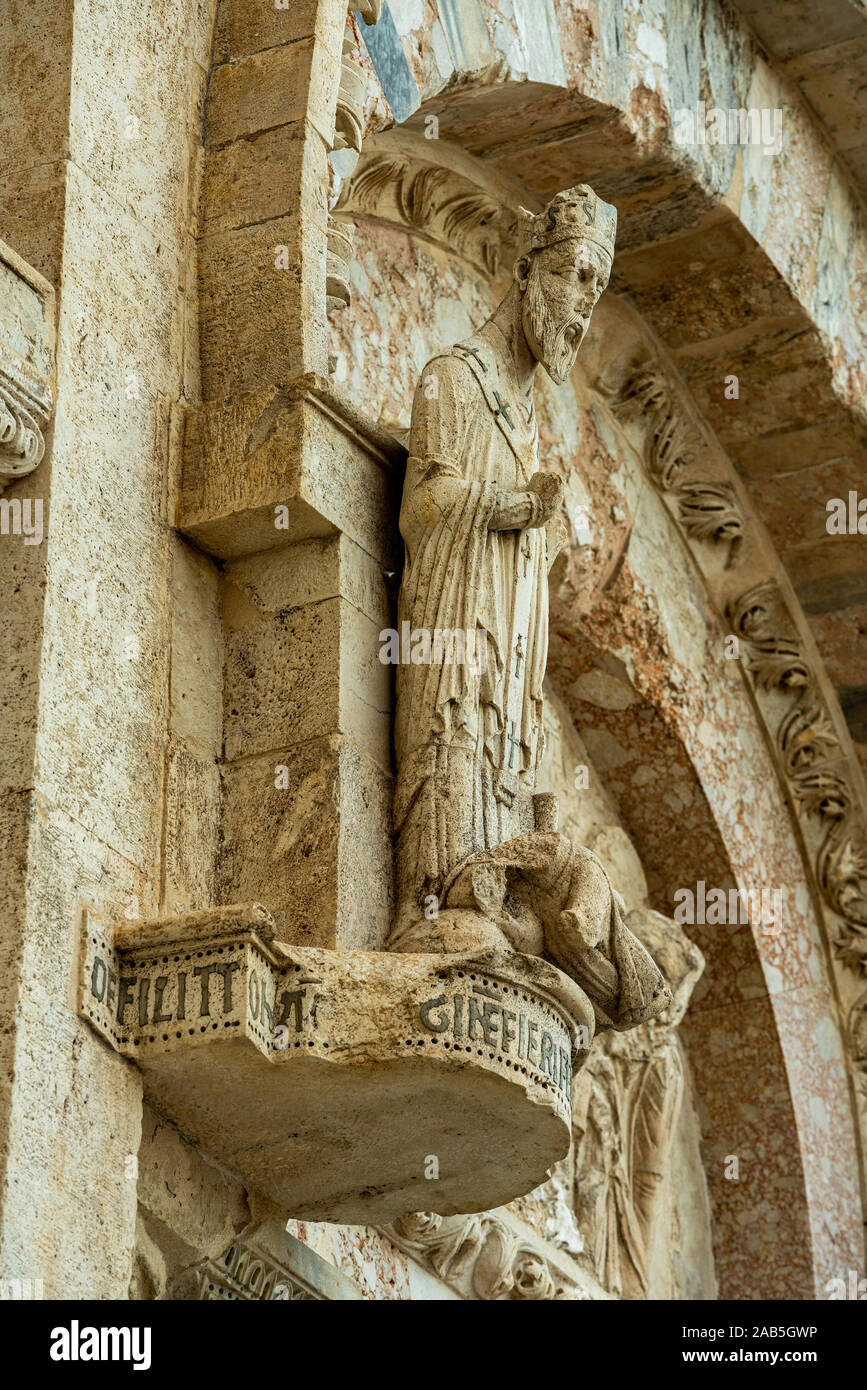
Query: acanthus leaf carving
807,745
436,200
708,511
349,116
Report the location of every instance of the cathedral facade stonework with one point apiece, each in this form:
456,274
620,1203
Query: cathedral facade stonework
432,688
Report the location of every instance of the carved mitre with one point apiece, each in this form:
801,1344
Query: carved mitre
576,214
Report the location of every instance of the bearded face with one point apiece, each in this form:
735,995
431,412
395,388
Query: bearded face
560,293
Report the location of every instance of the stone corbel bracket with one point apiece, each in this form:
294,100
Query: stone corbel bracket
327,1080
299,445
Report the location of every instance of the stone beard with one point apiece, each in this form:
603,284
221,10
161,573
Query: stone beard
480,527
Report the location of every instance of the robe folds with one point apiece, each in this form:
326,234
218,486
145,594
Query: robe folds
468,735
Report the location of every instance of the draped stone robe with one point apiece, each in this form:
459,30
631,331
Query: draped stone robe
468,737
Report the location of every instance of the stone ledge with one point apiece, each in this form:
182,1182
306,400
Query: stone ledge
328,1079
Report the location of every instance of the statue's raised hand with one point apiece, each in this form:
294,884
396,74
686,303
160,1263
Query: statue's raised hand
548,487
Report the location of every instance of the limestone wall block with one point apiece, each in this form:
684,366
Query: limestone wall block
104,670
130,115
250,181
191,830
312,571
365,886
316,849
31,214
21,569
291,82
344,482
305,673
193,1207
248,26
196,712
280,844
130,281
257,317
33,113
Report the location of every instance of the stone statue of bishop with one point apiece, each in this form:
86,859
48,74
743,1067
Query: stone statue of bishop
478,854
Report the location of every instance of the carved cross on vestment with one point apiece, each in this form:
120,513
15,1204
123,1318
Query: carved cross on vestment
514,743
503,409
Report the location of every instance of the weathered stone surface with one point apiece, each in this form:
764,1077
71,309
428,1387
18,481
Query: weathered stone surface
481,529
313,669
190,1205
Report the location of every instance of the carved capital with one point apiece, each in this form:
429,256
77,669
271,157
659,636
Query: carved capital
398,180
25,410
